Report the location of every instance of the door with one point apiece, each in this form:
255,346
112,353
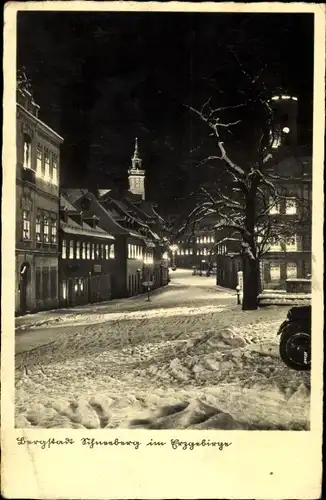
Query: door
24,279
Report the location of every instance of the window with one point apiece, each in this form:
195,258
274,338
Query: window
88,256
274,207
212,239
275,245
190,251
26,225
186,252
77,249
102,251
291,270
39,158
54,169
27,162
275,271
71,249
53,231
106,251
205,251
45,283
47,165
64,249
38,228
291,206
201,240
81,285
53,283
291,244
38,289
129,250
45,229
83,250
204,239
93,251
97,251
112,254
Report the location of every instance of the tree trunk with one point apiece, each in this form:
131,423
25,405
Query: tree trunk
251,274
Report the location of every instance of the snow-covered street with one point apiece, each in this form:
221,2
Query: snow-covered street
189,358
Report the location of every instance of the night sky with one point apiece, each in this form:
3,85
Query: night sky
102,79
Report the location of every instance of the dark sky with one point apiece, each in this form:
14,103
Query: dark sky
103,78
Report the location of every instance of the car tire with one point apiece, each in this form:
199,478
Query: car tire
295,346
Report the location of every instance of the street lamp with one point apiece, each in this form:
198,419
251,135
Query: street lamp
173,249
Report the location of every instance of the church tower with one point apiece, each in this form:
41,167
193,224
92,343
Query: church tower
137,174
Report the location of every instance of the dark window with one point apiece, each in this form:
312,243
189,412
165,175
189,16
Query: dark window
53,283
38,290
45,283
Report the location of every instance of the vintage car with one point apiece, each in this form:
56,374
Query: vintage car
295,338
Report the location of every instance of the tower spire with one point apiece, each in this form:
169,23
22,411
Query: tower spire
136,153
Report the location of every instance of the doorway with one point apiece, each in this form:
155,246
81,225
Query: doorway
24,279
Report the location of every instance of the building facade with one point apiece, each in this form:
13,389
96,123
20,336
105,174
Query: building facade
86,259
37,207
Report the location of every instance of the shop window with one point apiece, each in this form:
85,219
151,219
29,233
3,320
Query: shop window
275,272
291,270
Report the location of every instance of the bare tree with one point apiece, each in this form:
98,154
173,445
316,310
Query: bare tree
246,208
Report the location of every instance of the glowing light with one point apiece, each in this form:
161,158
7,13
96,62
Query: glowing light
294,98
285,97
286,130
165,256
275,98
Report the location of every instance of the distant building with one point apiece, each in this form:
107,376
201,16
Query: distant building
37,206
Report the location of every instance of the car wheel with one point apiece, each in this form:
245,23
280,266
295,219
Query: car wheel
295,347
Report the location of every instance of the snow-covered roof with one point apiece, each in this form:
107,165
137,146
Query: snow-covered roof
72,227
65,203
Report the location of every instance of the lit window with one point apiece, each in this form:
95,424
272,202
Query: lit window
53,231
46,230
212,239
204,239
190,251
274,207
275,271
83,250
197,252
201,240
93,251
38,228
26,225
88,255
112,252
47,165
39,156
205,251
54,169
275,245
64,249
182,252
197,240
290,206
102,251
129,251
186,252
291,244
71,249
77,249
291,270
27,151
97,251
106,249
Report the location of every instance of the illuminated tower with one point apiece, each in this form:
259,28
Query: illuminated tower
285,133
137,174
